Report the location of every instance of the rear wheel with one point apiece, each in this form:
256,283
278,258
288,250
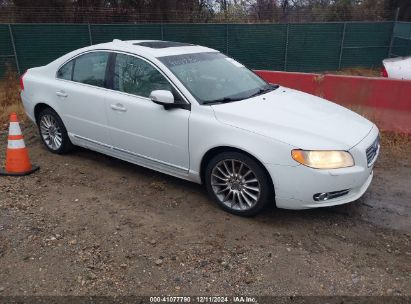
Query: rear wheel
238,183
53,132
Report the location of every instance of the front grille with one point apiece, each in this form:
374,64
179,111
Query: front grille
372,151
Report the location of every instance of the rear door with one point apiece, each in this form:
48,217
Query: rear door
81,95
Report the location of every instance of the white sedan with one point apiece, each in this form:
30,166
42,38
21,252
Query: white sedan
397,68
194,113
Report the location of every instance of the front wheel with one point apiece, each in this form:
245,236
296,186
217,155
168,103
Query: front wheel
53,132
238,183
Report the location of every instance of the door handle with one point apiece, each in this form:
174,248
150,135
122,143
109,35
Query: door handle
118,107
61,94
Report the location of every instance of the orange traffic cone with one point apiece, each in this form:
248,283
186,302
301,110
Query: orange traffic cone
17,156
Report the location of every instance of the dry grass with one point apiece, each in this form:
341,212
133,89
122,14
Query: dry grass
396,143
365,72
10,98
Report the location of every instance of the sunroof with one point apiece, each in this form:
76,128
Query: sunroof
161,44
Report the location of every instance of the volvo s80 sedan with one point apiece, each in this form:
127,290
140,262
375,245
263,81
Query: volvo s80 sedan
194,113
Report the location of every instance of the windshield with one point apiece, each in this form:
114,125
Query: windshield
214,77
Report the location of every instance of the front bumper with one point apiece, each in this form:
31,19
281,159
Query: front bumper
295,186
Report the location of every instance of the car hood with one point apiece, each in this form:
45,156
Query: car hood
299,119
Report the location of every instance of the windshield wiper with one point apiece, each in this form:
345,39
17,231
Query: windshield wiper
265,89
222,100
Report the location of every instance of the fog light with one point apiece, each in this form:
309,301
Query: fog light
321,196
324,196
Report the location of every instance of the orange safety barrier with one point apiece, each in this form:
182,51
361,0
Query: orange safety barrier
387,102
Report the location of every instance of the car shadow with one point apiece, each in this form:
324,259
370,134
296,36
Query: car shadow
270,216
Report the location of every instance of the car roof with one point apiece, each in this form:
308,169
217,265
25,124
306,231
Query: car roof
153,48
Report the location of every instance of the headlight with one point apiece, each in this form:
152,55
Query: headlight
323,159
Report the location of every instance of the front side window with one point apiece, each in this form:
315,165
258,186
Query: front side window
214,77
90,68
66,71
135,76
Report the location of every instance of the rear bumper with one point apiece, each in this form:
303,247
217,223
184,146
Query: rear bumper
28,106
296,186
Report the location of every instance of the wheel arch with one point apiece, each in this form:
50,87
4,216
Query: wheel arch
66,145
40,107
220,149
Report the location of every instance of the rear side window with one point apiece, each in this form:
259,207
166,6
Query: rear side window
91,68
135,76
65,71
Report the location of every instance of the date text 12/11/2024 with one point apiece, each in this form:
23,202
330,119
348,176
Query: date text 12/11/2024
203,299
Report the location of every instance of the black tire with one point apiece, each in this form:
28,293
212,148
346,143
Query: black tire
66,145
265,194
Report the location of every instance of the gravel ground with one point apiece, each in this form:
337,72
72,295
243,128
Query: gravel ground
88,224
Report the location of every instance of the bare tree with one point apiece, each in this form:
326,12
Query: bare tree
134,11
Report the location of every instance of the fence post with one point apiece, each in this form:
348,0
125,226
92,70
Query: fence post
89,34
342,46
286,47
14,50
226,38
393,32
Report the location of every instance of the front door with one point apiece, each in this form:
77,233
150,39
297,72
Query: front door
141,130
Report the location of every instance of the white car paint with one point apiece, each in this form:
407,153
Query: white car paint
398,68
283,112
175,142
147,129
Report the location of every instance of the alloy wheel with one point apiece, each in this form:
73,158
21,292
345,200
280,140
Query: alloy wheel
235,184
51,132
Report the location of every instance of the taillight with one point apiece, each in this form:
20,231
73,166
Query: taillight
384,72
21,81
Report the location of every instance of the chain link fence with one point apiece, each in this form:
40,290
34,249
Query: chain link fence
401,42
309,47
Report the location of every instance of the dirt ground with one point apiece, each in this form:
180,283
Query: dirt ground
88,224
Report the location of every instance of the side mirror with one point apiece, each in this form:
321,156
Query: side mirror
162,97
166,99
